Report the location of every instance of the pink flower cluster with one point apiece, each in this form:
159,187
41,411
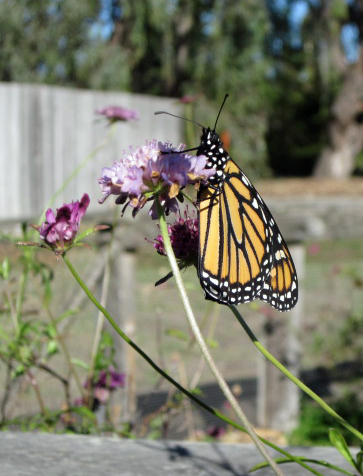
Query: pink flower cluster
117,113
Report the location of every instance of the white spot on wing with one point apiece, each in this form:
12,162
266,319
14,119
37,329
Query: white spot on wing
280,254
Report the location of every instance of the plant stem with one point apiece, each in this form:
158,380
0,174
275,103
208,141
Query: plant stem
66,353
193,397
34,384
20,295
12,311
203,346
292,377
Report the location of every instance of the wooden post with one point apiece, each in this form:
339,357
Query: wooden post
121,304
278,401
127,323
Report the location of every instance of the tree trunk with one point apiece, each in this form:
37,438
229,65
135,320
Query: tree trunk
345,130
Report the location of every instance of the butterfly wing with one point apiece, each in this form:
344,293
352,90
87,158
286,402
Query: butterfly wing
242,255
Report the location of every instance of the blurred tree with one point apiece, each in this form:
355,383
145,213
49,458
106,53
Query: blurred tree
345,126
303,93
315,123
44,41
165,47
200,46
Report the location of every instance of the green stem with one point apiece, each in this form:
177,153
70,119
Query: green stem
190,395
203,346
292,377
34,384
66,353
12,311
21,294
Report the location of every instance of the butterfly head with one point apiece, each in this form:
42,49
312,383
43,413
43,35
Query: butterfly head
210,139
212,147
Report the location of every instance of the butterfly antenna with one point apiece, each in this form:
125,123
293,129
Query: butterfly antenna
179,117
220,110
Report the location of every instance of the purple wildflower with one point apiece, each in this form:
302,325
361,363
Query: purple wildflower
184,240
117,113
110,379
216,431
58,231
189,98
154,171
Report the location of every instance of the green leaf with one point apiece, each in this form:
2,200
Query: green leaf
359,463
302,459
5,268
64,315
52,347
213,344
25,353
178,334
4,335
337,440
85,412
80,363
19,370
90,231
50,331
25,327
196,391
106,341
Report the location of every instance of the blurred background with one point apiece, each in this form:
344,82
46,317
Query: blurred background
293,122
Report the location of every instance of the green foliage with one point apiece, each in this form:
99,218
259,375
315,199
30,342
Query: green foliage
314,424
29,340
342,340
337,440
105,357
44,41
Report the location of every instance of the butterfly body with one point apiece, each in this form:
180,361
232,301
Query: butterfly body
242,254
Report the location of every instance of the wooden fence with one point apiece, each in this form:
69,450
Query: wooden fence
46,132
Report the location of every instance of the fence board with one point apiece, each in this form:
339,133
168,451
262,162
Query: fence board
46,132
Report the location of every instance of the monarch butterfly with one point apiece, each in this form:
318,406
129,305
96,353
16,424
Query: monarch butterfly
242,254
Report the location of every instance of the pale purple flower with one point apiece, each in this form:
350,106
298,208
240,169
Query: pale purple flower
117,113
155,171
102,395
59,230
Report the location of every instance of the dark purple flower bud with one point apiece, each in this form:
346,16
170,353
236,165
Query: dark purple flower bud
184,240
155,171
58,231
216,431
110,379
117,113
